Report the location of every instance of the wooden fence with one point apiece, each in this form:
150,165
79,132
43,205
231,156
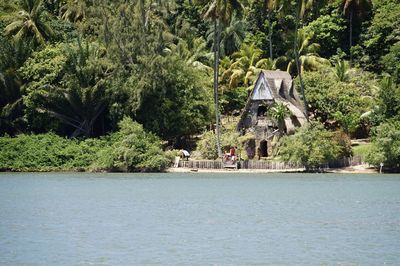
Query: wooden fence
270,165
201,164
345,162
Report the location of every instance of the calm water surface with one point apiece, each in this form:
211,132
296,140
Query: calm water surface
199,219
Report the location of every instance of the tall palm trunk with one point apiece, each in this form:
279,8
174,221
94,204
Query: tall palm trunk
267,9
216,69
296,55
351,34
270,35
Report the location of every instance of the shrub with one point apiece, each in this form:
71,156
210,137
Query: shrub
386,145
311,146
133,150
47,152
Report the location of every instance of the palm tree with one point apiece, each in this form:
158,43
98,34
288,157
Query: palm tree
342,70
307,53
271,6
29,24
220,12
247,64
194,55
13,54
231,38
80,98
301,7
278,112
357,9
8,7
73,10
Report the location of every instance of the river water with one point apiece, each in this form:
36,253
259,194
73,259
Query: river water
199,219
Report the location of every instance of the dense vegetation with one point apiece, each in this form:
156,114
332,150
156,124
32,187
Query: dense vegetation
77,68
130,148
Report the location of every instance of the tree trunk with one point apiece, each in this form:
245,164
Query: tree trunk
270,35
296,54
216,66
265,9
351,35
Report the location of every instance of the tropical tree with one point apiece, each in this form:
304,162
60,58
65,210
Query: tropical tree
301,7
232,36
306,55
220,12
194,55
271,6
28,22
7,7
311,146
386,145
173,102
12,56
246,65
69,83
73,10
359,10
279,112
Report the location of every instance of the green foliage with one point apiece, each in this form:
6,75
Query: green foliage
328,31
311,146
231,37
391,62
309,59
337,102
279,112
233,100
47,152
133,150
362,150
383,31
12,55
386,145
342,70
388,101
344,142
67,82
130,149
207,145
28,22
173,99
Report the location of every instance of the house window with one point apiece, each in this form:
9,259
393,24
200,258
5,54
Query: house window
262,110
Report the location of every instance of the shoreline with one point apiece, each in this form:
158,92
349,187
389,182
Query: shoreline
358,169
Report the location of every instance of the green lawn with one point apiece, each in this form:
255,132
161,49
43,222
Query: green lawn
361,149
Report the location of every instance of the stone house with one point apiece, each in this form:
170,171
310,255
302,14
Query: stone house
271,87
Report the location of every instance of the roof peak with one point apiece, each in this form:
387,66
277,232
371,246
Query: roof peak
276,74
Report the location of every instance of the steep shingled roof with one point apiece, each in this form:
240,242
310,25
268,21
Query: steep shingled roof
277,86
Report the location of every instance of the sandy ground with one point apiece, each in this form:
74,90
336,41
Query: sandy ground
359,169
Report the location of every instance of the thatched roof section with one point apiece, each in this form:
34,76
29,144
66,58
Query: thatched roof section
277,86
